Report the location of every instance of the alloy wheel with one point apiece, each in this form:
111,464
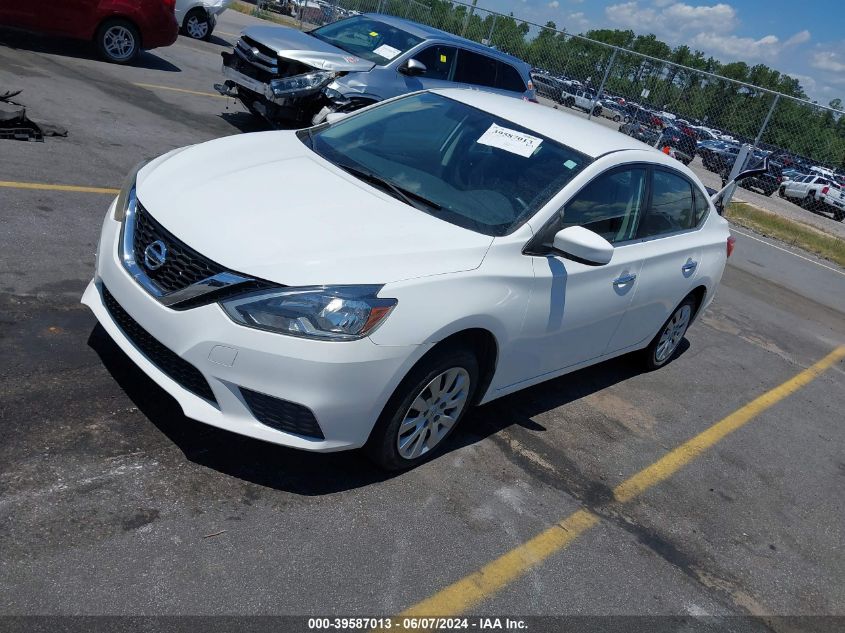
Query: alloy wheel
197,29
433,413
673,334
119,42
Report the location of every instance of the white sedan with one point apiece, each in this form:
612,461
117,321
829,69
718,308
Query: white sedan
365,281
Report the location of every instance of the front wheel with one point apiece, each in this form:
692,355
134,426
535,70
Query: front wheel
424,410
118,41
782,192
197,25
664,346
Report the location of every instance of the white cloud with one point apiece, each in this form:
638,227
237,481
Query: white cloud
828,60
733,47
669,18
554,4
801,37
705,27
577,21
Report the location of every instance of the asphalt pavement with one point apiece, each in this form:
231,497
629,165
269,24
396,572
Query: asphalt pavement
113,502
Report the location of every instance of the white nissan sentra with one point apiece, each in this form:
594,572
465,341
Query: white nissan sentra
366,281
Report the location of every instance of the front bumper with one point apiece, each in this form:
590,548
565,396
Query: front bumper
344,384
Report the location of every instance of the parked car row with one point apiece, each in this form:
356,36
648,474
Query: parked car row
119,30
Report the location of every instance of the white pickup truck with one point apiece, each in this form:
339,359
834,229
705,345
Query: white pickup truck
575,97
815,193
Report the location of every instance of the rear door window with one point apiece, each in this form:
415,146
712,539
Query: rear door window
671,207
438,61
476,69
508,78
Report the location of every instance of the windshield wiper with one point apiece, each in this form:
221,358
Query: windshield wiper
408,197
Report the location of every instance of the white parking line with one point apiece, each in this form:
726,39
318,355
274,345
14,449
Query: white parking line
786,250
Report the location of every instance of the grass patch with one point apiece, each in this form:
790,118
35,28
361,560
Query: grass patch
794,233
253,10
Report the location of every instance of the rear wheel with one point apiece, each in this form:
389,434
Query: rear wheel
425,409
197,24
809,201
782,192
118,41
664,346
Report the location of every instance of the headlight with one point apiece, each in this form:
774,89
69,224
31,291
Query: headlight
332,313
127,193
300,83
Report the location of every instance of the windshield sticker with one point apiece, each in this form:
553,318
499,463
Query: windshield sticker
388,52
510,140
373,34
570,164
442,59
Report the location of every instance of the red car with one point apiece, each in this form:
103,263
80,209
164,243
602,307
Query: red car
118,28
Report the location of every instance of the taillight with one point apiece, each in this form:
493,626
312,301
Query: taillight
825,190
731,244
170,4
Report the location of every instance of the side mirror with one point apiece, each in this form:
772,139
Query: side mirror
583,245
412,68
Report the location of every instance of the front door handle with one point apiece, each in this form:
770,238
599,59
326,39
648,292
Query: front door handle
624,279
689,266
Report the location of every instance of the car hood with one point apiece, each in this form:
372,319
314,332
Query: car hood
265,205
307,49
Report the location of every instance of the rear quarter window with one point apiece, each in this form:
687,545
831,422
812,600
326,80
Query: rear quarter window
508,78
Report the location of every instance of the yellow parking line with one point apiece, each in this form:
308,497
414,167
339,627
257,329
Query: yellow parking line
225,33
190,92
468,592
48,187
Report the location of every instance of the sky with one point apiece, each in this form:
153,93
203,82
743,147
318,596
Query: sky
805,40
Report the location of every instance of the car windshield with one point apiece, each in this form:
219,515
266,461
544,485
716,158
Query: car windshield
373,40
461,164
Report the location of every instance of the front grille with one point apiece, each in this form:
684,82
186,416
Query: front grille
282,415
182,267
265,65
167,361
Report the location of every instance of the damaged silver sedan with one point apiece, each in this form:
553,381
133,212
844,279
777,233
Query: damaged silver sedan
289,77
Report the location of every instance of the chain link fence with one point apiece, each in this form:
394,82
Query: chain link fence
658,101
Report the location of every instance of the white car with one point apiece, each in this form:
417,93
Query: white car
197,18
363,282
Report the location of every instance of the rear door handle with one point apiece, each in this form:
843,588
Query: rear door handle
624,279
689,266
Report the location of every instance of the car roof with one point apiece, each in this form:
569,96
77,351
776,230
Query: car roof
592,139
431,33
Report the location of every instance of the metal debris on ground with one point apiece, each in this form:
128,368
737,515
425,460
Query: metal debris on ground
17,126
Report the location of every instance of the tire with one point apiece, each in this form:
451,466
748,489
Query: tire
118,41
809,201
782,192
197,25
838,215
569,103
616,118
768,192
393,445
664,345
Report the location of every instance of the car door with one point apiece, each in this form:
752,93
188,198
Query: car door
575,307
70,17
439,61
670,246
18,14
798,188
